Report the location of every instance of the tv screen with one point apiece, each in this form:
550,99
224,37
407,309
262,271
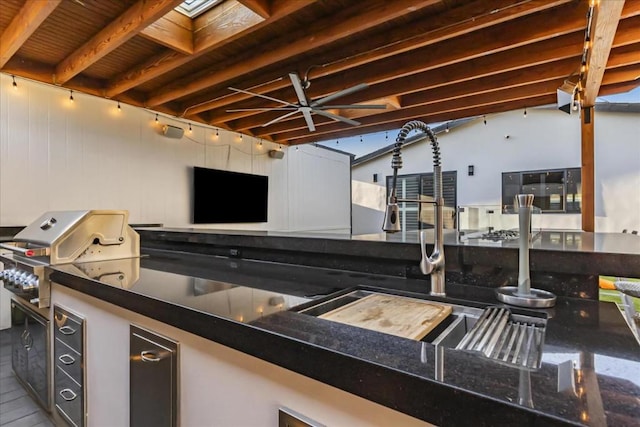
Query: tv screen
228,197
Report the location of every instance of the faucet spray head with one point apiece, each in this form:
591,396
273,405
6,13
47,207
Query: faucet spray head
391,218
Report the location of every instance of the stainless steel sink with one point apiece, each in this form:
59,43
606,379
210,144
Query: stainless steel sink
499,333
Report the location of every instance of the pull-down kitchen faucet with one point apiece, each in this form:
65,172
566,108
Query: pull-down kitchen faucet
434,264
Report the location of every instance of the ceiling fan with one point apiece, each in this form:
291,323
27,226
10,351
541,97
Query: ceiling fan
308,106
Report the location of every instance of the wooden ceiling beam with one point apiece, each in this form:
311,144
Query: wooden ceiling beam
319,35
469,111
130,23
31,15
442,27
260,7
173,30
223,22
606,16
170,60
485,43
480,100
530,76
539,53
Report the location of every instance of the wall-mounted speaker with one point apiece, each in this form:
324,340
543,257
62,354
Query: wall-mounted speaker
276,154
566,97
172,131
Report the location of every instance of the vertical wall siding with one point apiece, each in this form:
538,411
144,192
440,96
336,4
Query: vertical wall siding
58,155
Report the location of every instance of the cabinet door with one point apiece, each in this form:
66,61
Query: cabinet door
153,379
19,341
37,355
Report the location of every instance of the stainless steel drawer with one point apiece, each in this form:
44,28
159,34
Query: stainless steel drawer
67,329
69,360
69,398
153,376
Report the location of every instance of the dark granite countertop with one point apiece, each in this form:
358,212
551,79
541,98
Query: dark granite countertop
590,363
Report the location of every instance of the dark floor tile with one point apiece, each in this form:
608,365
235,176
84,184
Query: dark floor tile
36,419
9,384
11,395
16,409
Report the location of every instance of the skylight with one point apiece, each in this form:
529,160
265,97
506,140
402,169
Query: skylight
193,8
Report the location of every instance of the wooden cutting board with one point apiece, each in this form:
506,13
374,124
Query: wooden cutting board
391,314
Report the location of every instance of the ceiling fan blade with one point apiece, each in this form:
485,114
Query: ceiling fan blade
351,107
297,86
306,112
236,110
347,91
336,117
263,96
277,119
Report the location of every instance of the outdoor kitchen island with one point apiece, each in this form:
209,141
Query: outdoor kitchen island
231,301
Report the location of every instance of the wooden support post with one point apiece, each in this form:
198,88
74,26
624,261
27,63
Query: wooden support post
588,184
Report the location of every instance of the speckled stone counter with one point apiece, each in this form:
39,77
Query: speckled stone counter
590,362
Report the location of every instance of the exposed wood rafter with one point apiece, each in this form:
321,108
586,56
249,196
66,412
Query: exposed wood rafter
28,19
135,19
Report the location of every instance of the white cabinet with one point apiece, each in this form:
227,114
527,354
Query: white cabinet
218,385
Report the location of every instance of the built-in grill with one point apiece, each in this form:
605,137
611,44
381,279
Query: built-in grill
63,237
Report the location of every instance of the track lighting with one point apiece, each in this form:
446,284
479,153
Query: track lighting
15,85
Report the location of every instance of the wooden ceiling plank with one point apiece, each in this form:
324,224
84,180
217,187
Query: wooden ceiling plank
453,114
29,18
444,26
171,33
567,46
127,25
481,99
605,22
260,7
168,61
383,12
480,44
457,90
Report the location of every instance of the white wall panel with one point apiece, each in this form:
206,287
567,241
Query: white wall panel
58,155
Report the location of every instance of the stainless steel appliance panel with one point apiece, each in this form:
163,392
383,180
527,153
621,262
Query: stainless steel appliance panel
153,371
29,353
69,386
67,330
69,398
69,359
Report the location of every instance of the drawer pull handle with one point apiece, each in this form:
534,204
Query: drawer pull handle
149,356
67,330
67,359
67,394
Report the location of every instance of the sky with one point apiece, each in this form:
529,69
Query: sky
367,143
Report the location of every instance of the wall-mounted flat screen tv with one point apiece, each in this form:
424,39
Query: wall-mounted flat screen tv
221,196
